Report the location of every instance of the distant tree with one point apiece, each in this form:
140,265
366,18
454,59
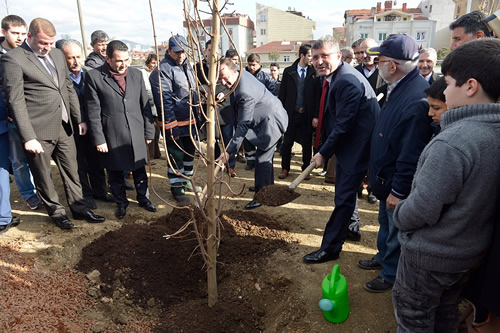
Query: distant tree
443,53
274,56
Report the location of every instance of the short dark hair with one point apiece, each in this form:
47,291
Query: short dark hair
151,57
253,57
98,35
208,42
478,59
231,53
357,43
12,21
39,24
472,23
115,45
275,64
228,62
436,89
304,48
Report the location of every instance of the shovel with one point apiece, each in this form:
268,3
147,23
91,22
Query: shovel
278,195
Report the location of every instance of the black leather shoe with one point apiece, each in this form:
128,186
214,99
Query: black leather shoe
120,212
249,166
378,285
88,216
317,257
354,236
148,206
371,199
369,264
251,188
253,204
14,222
63,222
105,197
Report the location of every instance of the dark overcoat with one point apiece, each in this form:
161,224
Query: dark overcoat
122,120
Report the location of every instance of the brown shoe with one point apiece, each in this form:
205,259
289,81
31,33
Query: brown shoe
308,177
330,180
283,174
232,172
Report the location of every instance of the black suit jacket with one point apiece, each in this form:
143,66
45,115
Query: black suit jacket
349,118
123,121
288,92
33,98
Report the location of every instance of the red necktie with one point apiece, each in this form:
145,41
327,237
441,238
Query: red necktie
321,111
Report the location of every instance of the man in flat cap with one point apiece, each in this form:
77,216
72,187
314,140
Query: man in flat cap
402,130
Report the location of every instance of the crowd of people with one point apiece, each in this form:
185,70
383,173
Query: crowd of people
426,144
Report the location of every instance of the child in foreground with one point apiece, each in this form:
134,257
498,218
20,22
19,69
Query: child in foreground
447,222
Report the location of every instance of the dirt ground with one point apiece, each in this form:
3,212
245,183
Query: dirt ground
125,276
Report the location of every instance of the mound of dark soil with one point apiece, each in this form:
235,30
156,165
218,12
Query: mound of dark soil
276,195
139,262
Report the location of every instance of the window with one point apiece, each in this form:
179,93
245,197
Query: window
363,35
430,9
286,58
263,18
262,31
382,36
420,35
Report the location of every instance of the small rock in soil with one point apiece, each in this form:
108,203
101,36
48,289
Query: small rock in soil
94,276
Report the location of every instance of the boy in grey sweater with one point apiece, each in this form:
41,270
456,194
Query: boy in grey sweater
446,223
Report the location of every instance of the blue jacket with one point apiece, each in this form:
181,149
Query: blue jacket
348,120
265,79
177,83
401,132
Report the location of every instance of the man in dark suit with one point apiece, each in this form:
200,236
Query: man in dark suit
98,40
90,170
297,95
426,62
349,108
41,99
121,123
260,118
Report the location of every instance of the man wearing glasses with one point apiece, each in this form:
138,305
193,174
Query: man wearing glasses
347,112
401,132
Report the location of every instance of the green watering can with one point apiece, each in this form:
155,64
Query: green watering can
335,302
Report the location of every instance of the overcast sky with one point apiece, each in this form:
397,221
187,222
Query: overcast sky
131,19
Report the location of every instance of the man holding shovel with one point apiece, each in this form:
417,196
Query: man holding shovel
347,113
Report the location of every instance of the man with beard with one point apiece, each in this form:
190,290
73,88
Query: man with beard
98,40
179,119
121,123
90,170
426,62
40,96
297,94
401,132
348,107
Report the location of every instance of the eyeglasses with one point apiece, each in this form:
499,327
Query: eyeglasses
322,56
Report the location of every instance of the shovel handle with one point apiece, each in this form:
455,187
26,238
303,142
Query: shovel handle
303,175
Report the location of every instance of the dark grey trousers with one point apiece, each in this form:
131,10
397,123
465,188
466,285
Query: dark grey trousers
426,301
